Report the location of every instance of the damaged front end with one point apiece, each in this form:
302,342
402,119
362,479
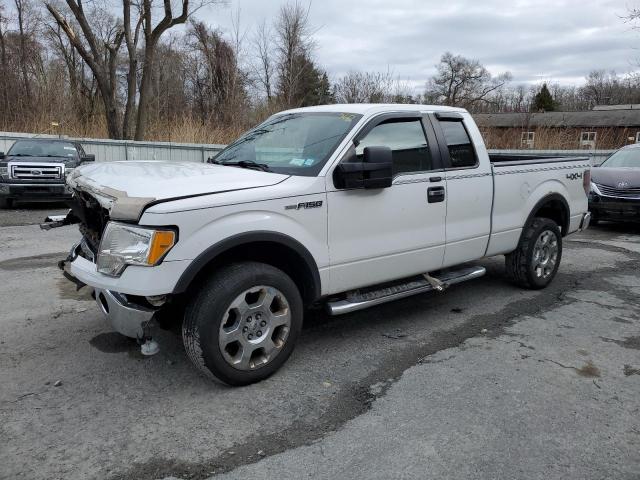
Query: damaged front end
92,208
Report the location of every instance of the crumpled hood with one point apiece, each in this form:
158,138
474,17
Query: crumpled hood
612,177
126,188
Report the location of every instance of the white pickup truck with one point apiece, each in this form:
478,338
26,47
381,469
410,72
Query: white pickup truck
346,206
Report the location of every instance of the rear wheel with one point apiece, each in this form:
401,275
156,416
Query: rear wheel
535,262
243,323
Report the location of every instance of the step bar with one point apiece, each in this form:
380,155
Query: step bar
359,301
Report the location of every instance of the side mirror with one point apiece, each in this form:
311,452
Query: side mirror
88,158
2,155
375,170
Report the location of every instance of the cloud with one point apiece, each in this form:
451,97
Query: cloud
554,40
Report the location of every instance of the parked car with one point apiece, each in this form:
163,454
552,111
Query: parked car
34,169
346,206
615,187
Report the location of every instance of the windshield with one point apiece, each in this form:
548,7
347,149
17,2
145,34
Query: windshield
629,158
34,148
295,143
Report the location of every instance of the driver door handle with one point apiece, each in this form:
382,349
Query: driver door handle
435,194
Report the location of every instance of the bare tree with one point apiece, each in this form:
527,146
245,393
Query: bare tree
293,49
365,87
4,85
25,11
264,69
219,84
102,56
463,82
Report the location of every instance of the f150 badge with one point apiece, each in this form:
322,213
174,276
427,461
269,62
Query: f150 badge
574,176
302,205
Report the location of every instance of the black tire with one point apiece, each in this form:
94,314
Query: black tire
206,311
521,263
594,220
6,203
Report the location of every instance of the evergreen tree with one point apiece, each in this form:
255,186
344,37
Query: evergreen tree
543,101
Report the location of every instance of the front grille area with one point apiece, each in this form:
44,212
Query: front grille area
93,219
619,192
36,171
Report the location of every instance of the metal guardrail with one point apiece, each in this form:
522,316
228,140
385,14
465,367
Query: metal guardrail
111,150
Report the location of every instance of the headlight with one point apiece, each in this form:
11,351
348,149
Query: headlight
124,244
594,189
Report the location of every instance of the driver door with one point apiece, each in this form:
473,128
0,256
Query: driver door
377,235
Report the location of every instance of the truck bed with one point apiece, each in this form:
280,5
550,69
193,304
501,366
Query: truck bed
506,159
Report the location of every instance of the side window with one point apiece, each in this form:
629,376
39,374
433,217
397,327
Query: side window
407,141
459,144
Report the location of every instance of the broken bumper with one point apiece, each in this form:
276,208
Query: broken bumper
126,318
112,294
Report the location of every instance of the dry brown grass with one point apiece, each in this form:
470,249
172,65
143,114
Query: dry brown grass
184,130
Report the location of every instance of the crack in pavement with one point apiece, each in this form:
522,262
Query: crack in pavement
355,399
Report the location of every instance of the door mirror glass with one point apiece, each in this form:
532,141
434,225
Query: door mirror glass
2,155
88,158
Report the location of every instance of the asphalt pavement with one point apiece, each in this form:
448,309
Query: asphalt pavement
484,381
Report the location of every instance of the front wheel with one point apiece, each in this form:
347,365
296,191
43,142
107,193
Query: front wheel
243,323
6,202
535,262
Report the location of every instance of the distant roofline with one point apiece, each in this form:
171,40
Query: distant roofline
586,119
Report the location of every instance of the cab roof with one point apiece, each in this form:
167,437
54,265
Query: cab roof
373,108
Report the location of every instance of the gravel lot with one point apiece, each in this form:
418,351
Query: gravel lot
485,381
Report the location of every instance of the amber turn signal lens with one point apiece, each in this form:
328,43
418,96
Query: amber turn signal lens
161,244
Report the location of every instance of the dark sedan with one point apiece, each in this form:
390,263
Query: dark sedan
615,187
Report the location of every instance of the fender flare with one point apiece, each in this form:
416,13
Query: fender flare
208,255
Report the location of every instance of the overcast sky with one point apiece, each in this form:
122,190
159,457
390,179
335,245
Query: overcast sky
536,40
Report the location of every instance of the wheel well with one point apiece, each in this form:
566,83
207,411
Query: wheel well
554,208
272,253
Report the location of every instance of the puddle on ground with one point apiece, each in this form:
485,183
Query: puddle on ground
113,342
37,261
629,370
628,342
621,320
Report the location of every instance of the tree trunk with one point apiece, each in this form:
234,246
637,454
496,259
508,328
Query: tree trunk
131,98
23,52
145,87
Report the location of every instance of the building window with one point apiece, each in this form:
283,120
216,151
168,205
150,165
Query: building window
528,139
588,140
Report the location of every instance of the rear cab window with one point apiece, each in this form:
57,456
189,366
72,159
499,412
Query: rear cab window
461,151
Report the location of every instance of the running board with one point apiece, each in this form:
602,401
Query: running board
361,299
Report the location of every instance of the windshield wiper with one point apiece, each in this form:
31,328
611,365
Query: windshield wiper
245,164
19,155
